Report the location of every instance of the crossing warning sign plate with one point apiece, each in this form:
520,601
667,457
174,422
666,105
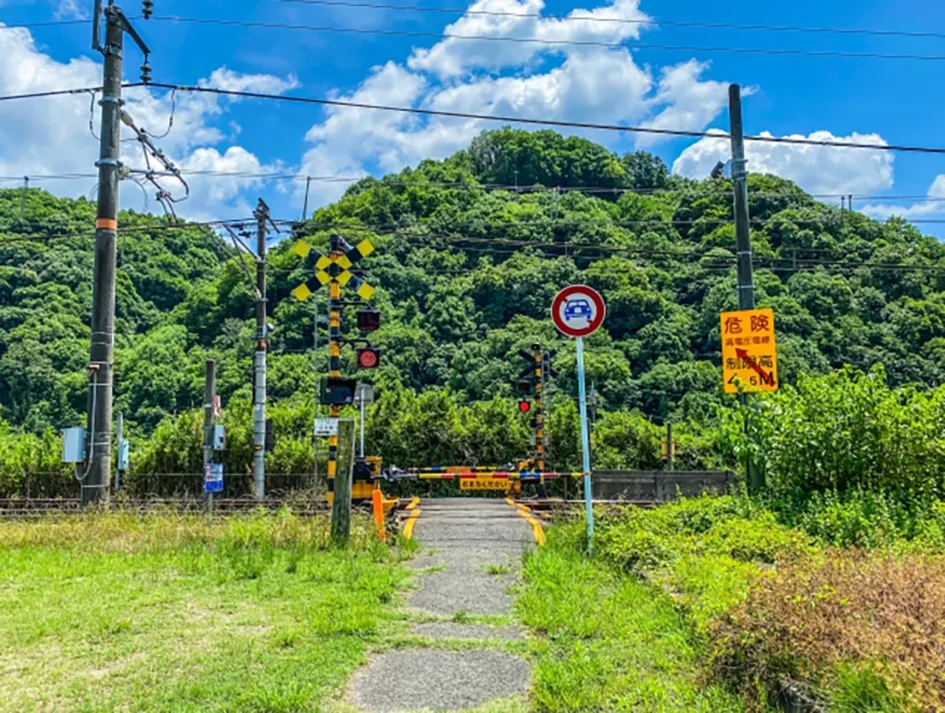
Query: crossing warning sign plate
749,351
484,484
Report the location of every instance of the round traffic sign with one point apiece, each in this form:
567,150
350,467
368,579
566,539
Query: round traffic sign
578,311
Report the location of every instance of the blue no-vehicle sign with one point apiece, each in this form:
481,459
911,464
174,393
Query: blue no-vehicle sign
578,311
213,478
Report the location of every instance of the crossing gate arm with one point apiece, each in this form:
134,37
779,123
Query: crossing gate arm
525,476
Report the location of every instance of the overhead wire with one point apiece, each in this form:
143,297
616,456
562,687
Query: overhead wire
489,117
620,20
626,44
630,43
537,122
571,17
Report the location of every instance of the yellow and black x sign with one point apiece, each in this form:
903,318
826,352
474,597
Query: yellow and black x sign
328,268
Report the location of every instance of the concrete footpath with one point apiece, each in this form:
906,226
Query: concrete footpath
471,554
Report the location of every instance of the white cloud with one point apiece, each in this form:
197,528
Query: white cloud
688,101
589,84
454,56
934,204
70,10
228,80
51,135
818,169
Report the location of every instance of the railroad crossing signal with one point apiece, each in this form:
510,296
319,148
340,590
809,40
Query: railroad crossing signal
749,351
333,267
368,357
334,270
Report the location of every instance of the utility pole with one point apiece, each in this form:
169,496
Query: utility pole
26,188
669,445
97,477
259,383
746,285
308,183
209,397
746,288
96,483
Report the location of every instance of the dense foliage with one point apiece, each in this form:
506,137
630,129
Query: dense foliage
470,251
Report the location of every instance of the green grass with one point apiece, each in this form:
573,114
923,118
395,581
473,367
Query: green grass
167,613
610,642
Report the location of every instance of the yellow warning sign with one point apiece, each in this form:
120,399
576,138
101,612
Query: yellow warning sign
749,351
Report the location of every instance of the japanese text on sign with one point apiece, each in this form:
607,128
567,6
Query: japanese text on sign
749,351
484,484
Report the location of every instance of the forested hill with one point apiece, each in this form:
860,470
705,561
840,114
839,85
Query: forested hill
470,251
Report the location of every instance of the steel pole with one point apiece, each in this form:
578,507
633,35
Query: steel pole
259,390
585,449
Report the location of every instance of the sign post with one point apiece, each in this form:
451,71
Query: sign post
578,311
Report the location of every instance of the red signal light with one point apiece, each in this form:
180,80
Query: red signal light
524,406
368,358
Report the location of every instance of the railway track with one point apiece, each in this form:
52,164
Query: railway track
26,507
11,507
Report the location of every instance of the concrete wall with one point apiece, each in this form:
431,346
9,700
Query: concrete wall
660,485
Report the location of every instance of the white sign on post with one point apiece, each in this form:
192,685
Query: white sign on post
326,427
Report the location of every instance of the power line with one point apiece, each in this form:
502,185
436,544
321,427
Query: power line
537,122
516,188
541,41
17,238
573,18
53,93
486,117
619,20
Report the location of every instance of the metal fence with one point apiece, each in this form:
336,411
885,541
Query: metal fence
660,485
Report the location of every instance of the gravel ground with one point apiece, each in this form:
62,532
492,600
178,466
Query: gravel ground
468,537
450,630
437,680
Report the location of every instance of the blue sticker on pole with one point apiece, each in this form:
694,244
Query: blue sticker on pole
213,478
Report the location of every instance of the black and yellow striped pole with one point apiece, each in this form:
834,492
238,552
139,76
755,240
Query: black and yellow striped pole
334,367
539,413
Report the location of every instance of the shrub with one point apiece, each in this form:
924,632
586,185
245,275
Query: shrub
861,627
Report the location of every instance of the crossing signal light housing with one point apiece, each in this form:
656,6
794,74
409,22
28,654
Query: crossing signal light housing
524,386
369,320
368,358
337,391
524,406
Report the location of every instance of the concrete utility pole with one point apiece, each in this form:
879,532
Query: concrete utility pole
96,483
259,390
209,397
746,286
97,477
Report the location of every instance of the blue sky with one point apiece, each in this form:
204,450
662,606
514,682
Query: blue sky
896,101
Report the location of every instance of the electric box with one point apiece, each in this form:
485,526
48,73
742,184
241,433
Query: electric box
124,455
219,438
73,445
